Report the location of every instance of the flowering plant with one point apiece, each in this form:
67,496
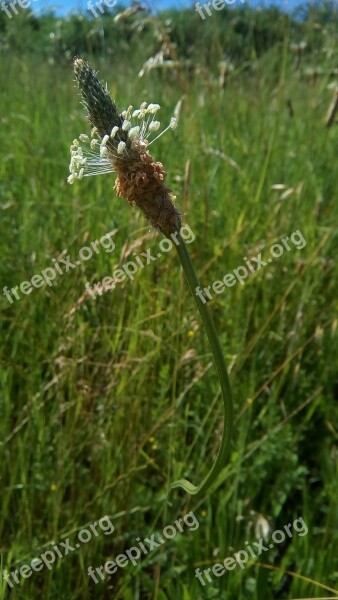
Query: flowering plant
119,143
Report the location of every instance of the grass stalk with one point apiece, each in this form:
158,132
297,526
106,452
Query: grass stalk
223,376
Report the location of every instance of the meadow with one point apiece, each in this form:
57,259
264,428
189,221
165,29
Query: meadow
106,401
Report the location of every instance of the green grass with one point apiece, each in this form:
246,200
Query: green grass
106,402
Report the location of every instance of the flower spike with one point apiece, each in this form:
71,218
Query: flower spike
119,143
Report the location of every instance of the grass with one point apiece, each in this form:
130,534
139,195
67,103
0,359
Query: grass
106,402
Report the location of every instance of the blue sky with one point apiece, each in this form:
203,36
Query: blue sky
66,6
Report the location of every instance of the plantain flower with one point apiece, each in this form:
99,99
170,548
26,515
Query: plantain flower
119,143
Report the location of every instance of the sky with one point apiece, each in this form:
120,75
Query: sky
67,6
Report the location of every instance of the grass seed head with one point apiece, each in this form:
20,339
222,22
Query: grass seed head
119,143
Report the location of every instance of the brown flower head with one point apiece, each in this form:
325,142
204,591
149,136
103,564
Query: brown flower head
119,142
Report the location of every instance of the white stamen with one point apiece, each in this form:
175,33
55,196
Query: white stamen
126,113
153,108
154,126
93,158
126,125
133,133
121,147
142,112
171,125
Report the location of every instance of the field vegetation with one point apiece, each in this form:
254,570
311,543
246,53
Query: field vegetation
105,402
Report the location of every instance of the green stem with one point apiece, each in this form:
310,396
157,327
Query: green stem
216,349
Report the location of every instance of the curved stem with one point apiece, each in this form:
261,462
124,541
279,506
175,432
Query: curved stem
216,349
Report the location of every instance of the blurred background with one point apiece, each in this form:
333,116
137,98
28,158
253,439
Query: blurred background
105,402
